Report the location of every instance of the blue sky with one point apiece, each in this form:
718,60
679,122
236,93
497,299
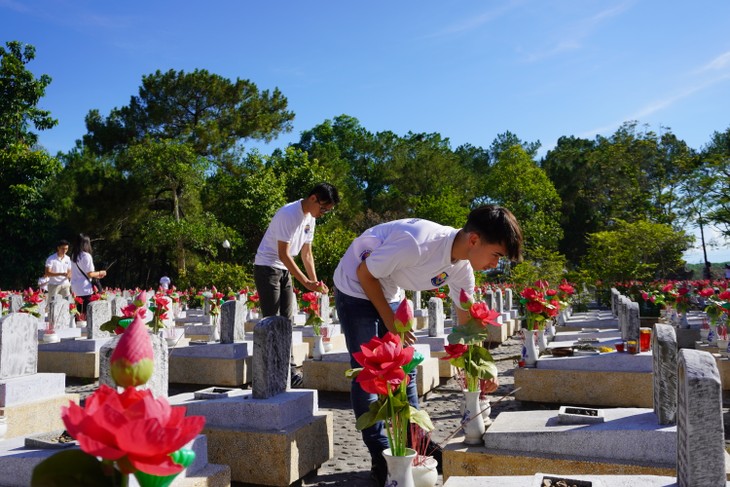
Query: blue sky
541,69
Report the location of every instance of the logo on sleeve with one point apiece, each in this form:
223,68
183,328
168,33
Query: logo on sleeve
307,228
439,279
365,254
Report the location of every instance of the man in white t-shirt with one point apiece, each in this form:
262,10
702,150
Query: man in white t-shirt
290,232
58,271
416,255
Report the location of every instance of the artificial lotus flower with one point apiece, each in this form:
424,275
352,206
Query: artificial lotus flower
465,350
403,319
382,373
132,361
133,428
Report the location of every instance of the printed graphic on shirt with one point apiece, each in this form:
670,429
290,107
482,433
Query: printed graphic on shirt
413,220
307,228
439,279
365,254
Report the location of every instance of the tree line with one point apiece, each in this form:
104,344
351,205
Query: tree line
161,182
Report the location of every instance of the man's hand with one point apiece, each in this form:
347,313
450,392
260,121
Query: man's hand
317,286
491,385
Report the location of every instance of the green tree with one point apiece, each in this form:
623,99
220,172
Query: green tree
714,179
205,110
640,250
518,184
20,93
27,218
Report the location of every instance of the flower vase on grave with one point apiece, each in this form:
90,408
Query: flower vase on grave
400,468
326,331
529,348
541,340
425,473
712,335
550,330
704,331
472,419
683,322
216,332
485,406
49,334
318,349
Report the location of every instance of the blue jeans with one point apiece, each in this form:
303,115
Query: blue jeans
360,322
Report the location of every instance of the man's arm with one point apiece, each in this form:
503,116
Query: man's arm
308,260
374,292
293,268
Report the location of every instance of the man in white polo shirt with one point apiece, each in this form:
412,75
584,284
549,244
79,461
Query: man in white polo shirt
290,233
58,271
417,255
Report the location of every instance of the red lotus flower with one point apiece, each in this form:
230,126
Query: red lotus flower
132,361
382,359
566,288
310,297
535,307
133,428
530,294
725,295
668,287
482,313
465,300
707,292
455,351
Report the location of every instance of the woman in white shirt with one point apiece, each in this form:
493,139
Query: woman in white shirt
82,271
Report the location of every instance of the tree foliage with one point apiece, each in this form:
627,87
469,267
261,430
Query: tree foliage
20,93
636,250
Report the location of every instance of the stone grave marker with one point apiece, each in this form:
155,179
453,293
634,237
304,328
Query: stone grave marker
118,303
489,298
498,301
233,319
508,299
16,302
665,373
59,314
97,313
18,345
435,317
633,323
416,300
324,308
271,356
700,430
158,383
614,301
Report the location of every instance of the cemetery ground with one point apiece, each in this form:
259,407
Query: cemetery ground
350,464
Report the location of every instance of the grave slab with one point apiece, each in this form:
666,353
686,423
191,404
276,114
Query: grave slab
589,388
534,480
220,364
286,432
328,374
17,463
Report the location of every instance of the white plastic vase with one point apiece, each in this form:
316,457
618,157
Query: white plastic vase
425,474
318,349
471,420
400,469
529,349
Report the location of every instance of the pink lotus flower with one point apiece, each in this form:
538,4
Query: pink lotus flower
133,428
482,313
132,361
404,319
465,300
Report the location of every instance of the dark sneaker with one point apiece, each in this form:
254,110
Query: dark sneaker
297,379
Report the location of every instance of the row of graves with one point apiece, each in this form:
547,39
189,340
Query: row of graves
241,362
257,429
646,418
